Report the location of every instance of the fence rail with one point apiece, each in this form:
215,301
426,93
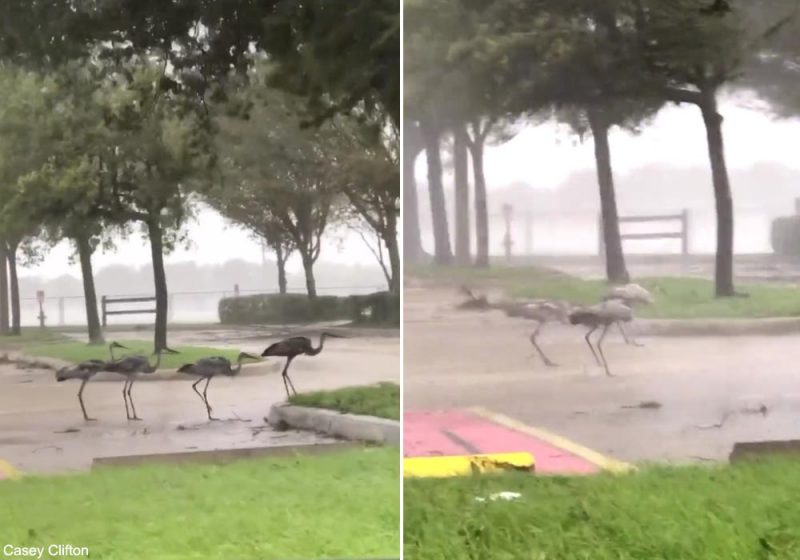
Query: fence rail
683,234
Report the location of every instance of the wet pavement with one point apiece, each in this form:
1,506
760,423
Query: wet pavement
675,399
42,430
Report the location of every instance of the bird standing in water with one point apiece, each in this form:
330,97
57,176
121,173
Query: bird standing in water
292,347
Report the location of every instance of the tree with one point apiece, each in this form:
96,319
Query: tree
281,172
368,153
461,183
412,238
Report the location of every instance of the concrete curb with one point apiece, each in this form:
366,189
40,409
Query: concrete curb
250,369
773,326
336,424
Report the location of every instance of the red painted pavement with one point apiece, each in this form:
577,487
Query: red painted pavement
424,437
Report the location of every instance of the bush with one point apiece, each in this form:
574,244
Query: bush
282,309
381,308
785,236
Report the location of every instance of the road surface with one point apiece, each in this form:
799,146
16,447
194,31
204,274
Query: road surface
38,416
749,385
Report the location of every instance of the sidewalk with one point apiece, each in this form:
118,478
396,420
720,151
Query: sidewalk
478,431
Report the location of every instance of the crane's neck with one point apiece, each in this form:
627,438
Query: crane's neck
318,349
154,367
238,368
111,351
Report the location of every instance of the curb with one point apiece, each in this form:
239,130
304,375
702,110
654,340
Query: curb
466,465
774,326
8,472
603,462
336,424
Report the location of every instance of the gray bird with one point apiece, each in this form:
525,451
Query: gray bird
632,295
292,347
130,367
209,368
85,371
543,311
601,315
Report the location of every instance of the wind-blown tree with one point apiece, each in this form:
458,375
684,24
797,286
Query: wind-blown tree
689,57
368,173
162,153
284,171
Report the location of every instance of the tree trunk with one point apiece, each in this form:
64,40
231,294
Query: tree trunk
160,282
722,196
461,168
616,271
412,237
481,205
308,268
3,287
390,240
443,255
16,320
89,292
281,258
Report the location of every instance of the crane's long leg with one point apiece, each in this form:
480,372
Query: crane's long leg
628,339
600,349
205,398
589,342
130,398
194,387
125,398
286,377
545,359
80,400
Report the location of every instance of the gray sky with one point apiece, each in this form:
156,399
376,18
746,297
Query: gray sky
544,156
213,241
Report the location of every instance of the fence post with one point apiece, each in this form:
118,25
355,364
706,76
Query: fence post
685,231
103,305
61,311
507,242
236,290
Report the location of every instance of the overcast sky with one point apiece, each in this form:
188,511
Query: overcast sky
544,156
213,241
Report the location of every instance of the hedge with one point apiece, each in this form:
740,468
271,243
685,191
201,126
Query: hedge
282,309
785,236
380,308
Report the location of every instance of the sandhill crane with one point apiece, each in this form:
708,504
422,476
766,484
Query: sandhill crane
631,295
541,312
85,371
130,367
601,315
208,368
292,347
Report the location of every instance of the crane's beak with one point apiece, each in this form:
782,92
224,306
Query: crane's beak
334,335
245,355
118,345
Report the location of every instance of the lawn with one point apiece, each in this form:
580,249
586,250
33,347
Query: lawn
382,399
344,505
676,298
749,511
74,351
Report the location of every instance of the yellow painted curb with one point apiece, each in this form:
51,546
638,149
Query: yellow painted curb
602,461
465,465
12,473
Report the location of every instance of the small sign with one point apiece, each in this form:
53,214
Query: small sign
40,296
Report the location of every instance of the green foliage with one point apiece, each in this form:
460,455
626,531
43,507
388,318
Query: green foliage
785,236
340,505
381,400
380,308
691,513
281,309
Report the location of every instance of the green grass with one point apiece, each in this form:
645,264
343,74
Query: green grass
743,512
78,351
676,298
381,400
344,505
30,336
